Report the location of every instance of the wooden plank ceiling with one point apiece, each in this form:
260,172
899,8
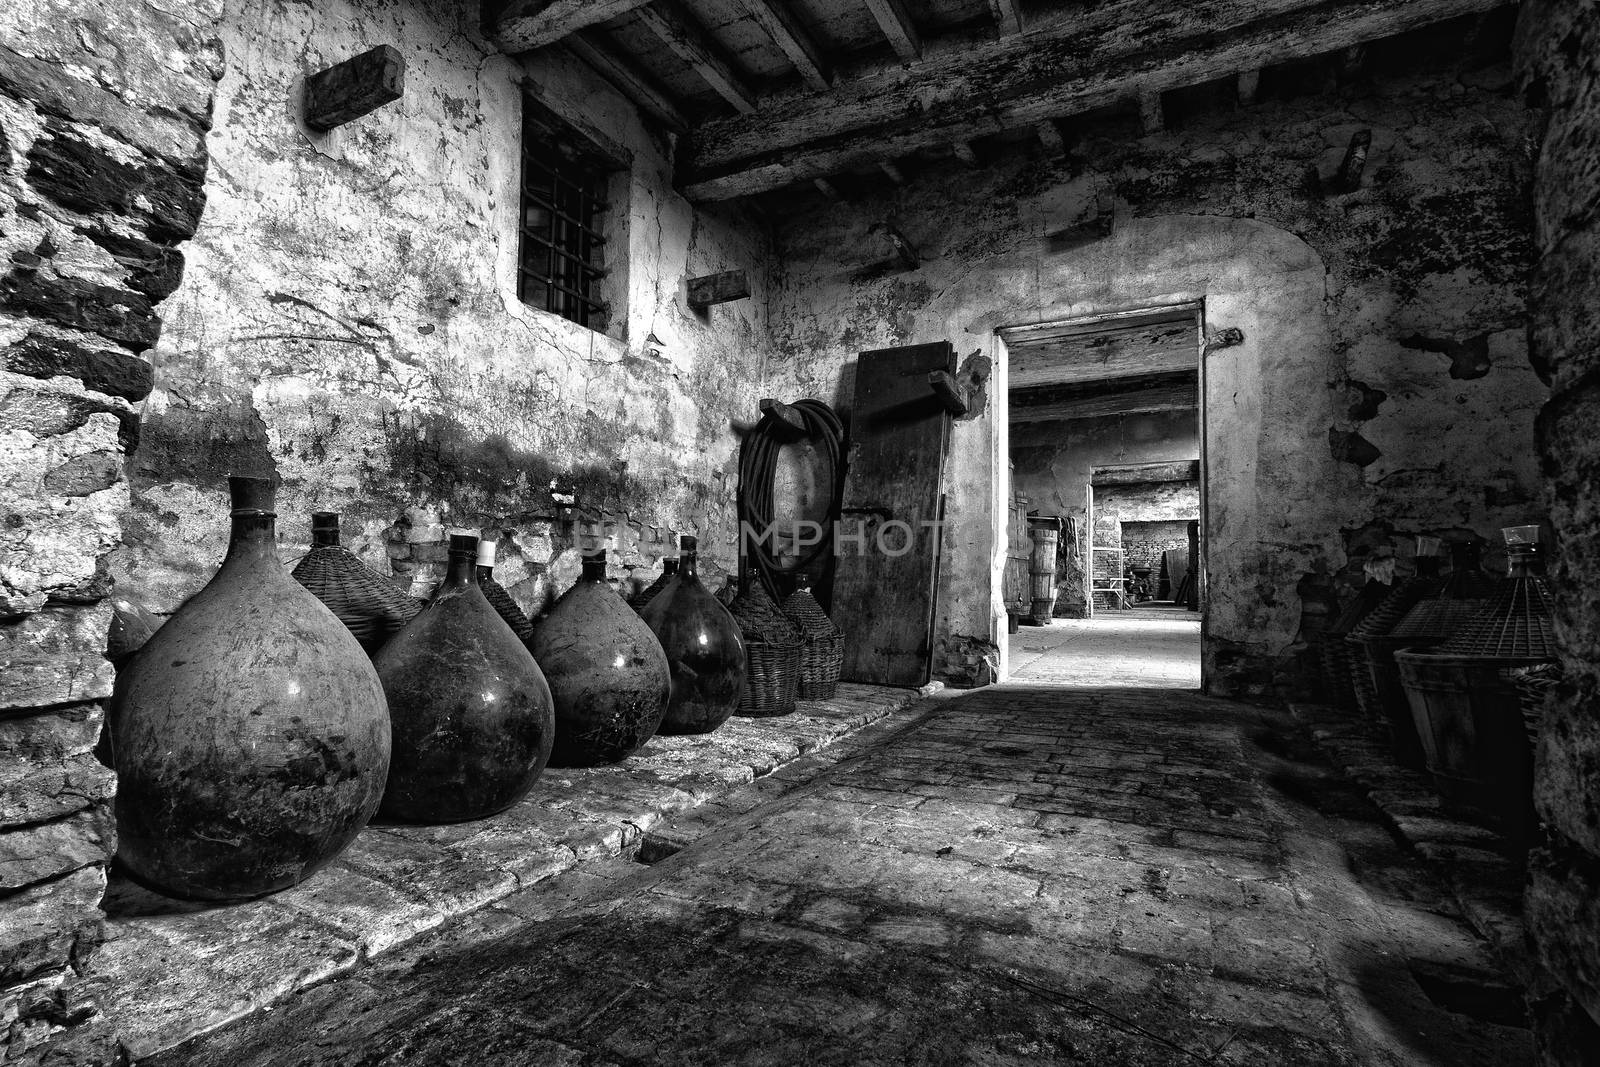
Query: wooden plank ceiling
774,93
1124,364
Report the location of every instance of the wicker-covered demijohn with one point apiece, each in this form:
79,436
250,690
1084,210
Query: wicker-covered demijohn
1533,685
1335,656
496,594
1376,679
669,567
371,606
822,643
1378,623
1473,720
772,653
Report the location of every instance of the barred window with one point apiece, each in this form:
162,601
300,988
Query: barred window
562,262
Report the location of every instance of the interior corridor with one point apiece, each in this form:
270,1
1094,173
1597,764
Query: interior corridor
1046,871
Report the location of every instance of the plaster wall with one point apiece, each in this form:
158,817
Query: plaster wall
1055,460
350,323
1338,427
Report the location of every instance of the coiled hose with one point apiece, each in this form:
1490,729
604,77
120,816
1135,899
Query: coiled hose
758,465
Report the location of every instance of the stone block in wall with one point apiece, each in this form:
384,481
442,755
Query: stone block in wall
36,1012
58,519
47,412
50,354
1562,910
116,314
87,171
47,765
43,851
1568,192
47,926
1571,461
48,86
83,475
1568,327
1567,786
55,656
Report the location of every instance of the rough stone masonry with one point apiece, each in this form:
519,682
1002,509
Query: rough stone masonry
1558,45
102,162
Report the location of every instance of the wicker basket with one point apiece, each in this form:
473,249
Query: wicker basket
496,594
1426,624
1534,686
822,647
371,607
505,607
1335,656
1378,623
772,653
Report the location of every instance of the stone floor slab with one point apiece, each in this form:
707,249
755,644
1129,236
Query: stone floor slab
176,969
1263,915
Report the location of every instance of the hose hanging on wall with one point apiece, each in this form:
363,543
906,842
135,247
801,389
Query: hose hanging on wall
781,424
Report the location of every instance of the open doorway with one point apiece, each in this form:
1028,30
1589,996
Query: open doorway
1107,495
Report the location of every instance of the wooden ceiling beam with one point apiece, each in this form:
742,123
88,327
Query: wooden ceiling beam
792,40
1007,16
994,86
1183,470
628,79
520,25
1169,396
895,21
1114,354
679,32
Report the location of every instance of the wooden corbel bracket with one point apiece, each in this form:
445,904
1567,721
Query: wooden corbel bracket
346,91
951,393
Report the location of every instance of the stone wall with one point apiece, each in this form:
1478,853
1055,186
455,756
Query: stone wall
1117,505
103,113
1382,387
1558,43
1144,542
349,322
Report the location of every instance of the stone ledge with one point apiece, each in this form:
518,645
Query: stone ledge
1486,881
174,969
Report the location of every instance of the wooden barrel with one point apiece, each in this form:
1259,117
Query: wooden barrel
1046,535
1469,721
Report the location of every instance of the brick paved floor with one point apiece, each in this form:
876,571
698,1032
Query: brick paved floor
1030,873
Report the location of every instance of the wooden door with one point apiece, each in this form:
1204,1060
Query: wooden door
886,580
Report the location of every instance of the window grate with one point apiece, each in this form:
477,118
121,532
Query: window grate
562,254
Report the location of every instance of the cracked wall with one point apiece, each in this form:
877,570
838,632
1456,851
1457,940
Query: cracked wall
1330,433
349,322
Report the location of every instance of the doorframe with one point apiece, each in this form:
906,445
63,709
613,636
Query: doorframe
1111,316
